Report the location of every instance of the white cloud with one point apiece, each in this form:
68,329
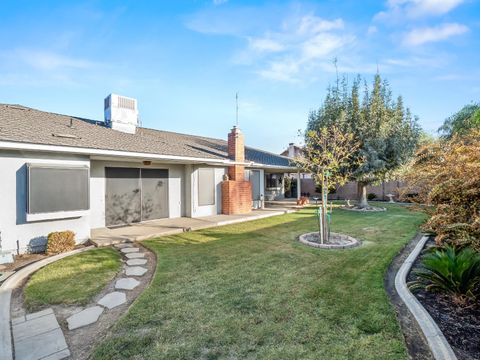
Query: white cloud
313,24
420,36
219,2
303,43
399,9
265,45
46,60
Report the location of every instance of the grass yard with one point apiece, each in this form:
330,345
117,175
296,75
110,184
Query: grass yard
251,290
73,280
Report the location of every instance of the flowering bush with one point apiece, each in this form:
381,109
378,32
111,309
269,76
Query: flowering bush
446,176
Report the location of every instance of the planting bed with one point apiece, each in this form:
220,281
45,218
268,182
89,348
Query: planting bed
460,326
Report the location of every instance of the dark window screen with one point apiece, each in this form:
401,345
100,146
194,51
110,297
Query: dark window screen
53,189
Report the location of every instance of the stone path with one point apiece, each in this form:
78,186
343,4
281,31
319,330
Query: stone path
90,315
38,336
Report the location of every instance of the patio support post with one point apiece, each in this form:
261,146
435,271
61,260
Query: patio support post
299,186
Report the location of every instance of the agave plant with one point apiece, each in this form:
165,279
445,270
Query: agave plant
452,271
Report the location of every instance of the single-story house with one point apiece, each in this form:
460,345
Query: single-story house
61,172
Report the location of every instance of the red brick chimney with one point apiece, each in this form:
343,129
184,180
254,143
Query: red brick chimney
236,152
236,192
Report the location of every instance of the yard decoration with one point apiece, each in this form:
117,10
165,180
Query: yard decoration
386,131
326,155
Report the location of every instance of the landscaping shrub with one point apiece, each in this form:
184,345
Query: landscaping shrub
446,175
60,241
371,196
452,271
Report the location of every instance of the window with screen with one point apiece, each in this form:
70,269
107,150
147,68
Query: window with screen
54,189
206,186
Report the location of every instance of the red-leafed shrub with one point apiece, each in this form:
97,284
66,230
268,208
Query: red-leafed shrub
446,176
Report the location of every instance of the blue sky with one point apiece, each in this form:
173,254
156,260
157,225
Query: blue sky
185,60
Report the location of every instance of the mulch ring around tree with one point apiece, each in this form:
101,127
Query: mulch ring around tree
461,326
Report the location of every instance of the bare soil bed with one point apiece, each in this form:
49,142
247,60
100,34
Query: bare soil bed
461,326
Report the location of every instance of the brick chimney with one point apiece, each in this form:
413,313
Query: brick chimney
236,152
236,191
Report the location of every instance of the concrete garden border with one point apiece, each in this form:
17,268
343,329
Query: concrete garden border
353,242
437,342
371,209
6,350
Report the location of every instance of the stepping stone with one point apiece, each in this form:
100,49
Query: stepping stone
85,317
126,284
135,255
134,262
135,271
130,250
124,245
113,299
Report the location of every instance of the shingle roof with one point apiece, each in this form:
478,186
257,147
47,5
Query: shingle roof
22,124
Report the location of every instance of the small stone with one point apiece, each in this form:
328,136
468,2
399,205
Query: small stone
134,262
130,250
113,299
85,317
135,271
123,245
126,284
135,255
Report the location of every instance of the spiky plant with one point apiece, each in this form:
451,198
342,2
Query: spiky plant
455,272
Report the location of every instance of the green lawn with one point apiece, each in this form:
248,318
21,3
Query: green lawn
253,291
72,280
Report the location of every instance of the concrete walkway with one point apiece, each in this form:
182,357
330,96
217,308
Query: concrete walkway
39,336
164,227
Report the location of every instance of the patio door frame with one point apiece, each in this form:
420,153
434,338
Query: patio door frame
140,187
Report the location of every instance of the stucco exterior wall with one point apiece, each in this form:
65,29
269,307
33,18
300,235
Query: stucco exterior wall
176,188
31,235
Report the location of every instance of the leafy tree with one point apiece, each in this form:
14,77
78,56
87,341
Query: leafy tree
387,132
462,122
326,155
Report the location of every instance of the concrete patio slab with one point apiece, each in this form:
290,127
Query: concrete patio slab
135,271
113,299
126,284
135,255
130,250
164,227
39,336
85,317
135,262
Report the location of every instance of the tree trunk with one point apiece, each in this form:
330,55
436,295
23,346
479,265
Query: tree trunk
362,196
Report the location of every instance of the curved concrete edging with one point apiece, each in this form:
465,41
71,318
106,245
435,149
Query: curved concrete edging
437,342
6,350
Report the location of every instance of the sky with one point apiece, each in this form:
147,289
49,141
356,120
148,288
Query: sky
184,61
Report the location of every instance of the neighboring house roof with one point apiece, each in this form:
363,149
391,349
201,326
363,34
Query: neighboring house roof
297,151
22,124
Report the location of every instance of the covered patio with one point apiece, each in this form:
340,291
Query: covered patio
164,227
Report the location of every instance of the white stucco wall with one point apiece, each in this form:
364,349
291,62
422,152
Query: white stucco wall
31,235
176,186
192,192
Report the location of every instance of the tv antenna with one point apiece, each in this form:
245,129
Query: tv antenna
236,108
